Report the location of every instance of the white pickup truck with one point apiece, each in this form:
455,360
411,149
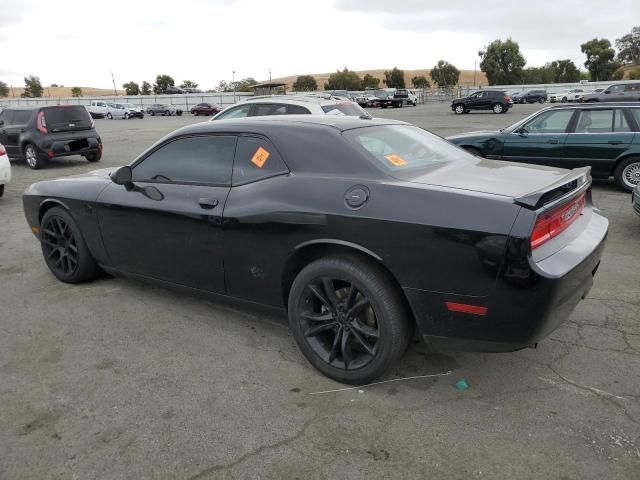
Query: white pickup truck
98,109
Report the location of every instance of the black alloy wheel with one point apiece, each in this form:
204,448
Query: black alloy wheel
64,249
348,319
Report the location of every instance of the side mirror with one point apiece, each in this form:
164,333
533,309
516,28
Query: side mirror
1,123
122,176
607,92
523,132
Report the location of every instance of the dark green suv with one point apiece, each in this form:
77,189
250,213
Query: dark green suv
604,137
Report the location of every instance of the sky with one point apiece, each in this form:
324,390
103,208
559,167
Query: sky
82,42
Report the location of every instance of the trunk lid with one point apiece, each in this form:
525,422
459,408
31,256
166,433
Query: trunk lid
529,185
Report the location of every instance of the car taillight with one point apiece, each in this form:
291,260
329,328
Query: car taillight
553,223
2,150
42,123
507,98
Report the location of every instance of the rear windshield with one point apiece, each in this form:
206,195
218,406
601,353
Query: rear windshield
349,109
400,148
69,114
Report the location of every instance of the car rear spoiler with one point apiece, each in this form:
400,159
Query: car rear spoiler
577,180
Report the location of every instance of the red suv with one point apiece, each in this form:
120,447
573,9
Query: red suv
205,109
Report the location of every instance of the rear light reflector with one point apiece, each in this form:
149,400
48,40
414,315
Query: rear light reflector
42,123
2,150
465,308
553,223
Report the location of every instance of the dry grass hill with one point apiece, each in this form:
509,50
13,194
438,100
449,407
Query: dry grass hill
466,77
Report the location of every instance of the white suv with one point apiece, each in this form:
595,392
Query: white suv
291,105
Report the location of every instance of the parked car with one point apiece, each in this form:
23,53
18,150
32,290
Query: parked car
292,105
635,200
495,100
124,110
620,92
206,109
163,109
171,90
365,99
5,169
42,133
603,137
533,96
98,109
320,221
564,96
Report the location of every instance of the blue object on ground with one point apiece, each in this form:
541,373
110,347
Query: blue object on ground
461,384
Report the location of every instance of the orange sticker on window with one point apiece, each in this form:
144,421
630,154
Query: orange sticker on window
260,157
396,160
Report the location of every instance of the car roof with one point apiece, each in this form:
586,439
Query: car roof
294,98
592,105
256,124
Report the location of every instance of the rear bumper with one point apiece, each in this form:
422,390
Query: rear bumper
529,302
64,147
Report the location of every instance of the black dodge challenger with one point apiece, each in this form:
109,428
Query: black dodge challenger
363,230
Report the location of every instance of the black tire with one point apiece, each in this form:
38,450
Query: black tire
93,156
195,114
126,116
564,99
167,112
109,116
497,108
60,235
34,160
349,349
459,109
627,173
152,113
1,190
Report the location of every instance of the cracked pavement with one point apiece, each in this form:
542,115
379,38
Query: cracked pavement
119,380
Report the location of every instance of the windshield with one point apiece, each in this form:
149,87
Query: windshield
400,148
349,109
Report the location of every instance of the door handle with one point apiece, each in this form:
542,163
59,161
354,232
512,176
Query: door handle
615,142
208,203
553,140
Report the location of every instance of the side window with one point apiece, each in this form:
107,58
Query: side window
297,110
263,109
632,87
237,112
20,117
550,122
6,115
256,158
616,88
620,122
636,114
594,121
206,159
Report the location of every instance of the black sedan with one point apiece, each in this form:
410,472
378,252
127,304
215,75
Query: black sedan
603,137
363,230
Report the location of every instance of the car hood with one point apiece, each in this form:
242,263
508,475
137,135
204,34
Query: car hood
509,179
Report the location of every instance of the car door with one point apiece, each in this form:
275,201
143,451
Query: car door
615,93
632,92
540,140
599,137
178,237
5,119
473,100
19,124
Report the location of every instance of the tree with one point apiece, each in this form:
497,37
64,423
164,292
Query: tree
32,87
420,82
76,92
369,81
343,80
223,86
244,85
634,74
162,83
146,88
629,47
394,78
565,71
132,88
544,74
305,83
502,62
600,59
188,84
444,74
4,90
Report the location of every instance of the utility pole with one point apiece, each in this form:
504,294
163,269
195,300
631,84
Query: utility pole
115,92
269,75
233,82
